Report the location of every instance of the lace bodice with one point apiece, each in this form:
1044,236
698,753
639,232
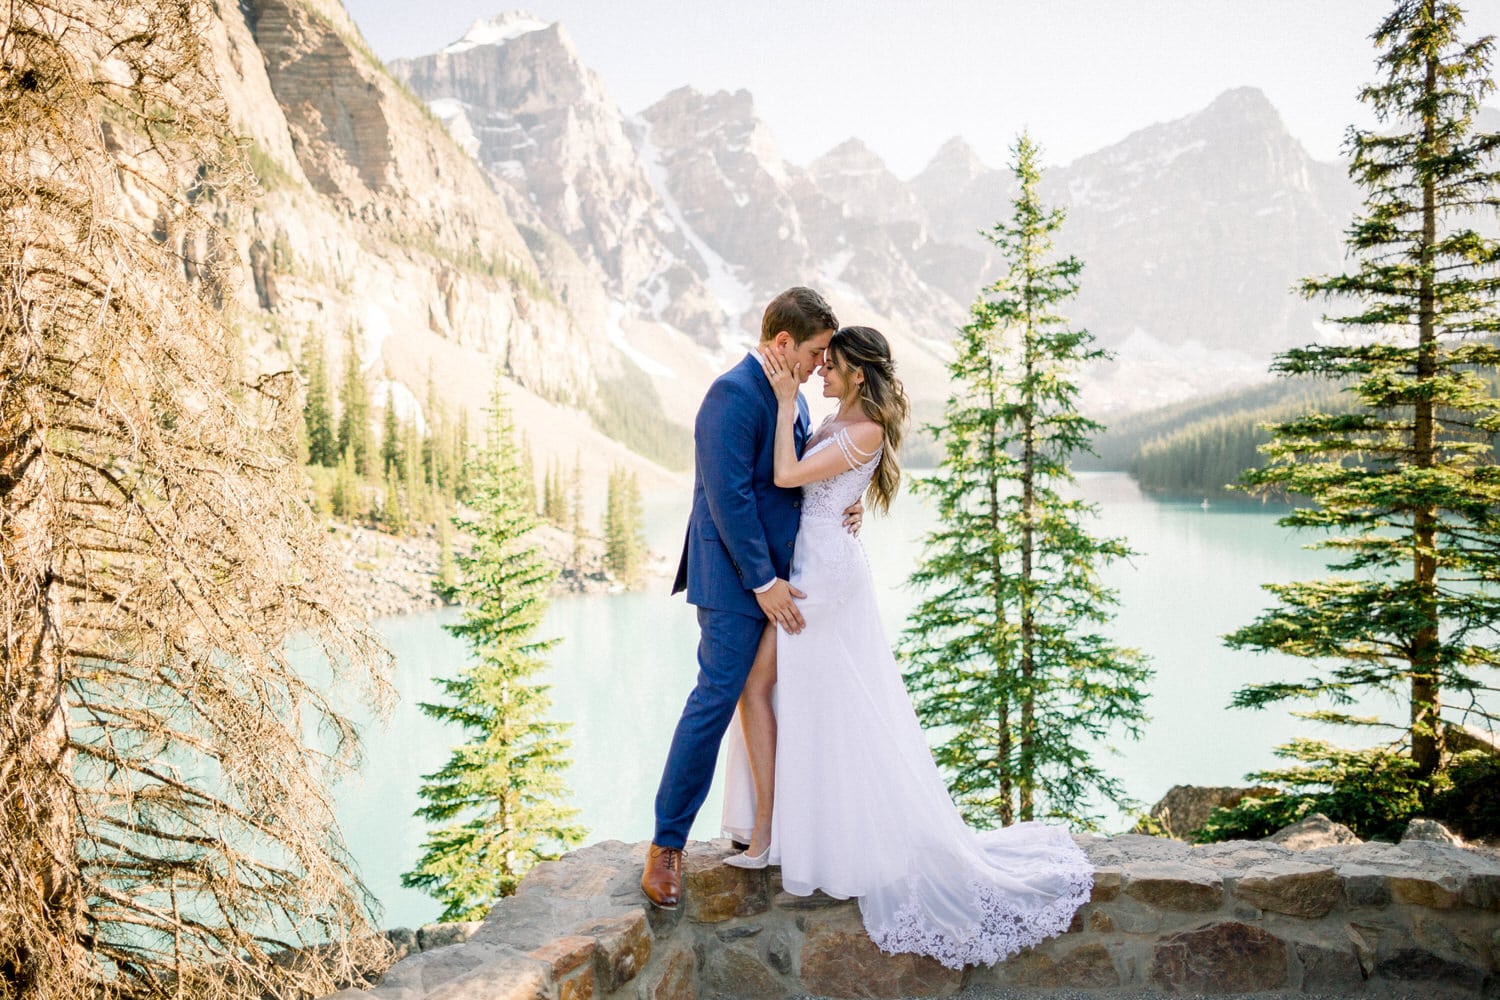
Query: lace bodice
827,498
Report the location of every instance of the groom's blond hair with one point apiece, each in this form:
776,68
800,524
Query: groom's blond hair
799,311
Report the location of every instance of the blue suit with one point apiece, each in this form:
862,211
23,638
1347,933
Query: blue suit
740,535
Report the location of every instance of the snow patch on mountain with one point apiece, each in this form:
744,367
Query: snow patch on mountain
643,361
497,31
734,296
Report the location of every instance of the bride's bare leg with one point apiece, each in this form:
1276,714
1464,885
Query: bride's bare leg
759,723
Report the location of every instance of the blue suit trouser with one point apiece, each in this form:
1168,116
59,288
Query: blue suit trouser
726,650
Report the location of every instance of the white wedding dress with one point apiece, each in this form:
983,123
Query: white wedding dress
861,809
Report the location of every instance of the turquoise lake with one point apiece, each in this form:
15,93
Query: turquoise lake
626,663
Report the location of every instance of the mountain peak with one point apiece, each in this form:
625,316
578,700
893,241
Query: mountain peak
952,167
1243,105
498,30
957,154
849,155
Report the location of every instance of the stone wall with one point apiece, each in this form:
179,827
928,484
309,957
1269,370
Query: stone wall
1344,919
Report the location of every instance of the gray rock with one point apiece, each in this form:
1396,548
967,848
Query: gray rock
1430,831
1458,739
1240,854
1364,886
1173,885
442,935
736,970
1185,808
779,952
1330,970
403,942
1316,830
1229,957
1417,965
1295,888
738,933
1344,919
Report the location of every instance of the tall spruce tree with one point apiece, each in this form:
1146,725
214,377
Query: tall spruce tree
355,435
390,435
499,803
624,539
1406,487
575,514
322,441
1005,652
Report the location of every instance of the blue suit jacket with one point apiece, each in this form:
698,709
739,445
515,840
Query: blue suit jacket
742,525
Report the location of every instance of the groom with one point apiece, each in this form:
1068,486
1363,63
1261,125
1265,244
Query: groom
735,562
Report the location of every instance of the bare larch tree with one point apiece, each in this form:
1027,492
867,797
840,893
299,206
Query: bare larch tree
165,749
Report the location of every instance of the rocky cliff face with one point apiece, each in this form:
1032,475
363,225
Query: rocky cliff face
1193,231
687,214
857,180
719,165
581,248
373,222
768,224
1201,225
556,145
1193,234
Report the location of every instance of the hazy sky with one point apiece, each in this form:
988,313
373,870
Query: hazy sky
906,75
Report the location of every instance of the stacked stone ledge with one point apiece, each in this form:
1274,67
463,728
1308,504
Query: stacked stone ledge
1344,919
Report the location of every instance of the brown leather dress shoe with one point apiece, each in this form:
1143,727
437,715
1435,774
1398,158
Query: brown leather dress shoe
662,879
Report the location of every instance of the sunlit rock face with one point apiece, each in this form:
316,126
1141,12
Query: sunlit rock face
1205,225
770,224
380,225
540,121
1193,233
575,246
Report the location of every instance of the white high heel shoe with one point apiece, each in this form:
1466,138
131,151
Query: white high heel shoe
747,860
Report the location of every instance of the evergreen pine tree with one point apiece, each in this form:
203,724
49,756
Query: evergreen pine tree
575,513
322,443
355,435
557,496
166,823
1406,484
528,471
419,497
611,523
447,573
458,457
348,497
624,542
1005,653
390,437
393,514
498,804
435,416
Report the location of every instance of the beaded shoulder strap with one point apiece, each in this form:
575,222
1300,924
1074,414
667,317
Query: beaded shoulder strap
852,453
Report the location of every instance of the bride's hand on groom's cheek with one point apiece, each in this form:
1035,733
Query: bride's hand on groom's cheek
782,378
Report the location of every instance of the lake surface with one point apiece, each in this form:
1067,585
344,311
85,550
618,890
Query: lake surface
626,664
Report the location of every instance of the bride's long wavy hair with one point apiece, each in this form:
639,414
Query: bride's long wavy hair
883,400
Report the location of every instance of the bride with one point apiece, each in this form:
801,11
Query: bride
829,772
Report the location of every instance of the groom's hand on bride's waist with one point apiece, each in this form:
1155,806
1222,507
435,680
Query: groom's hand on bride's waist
854,516
777,604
